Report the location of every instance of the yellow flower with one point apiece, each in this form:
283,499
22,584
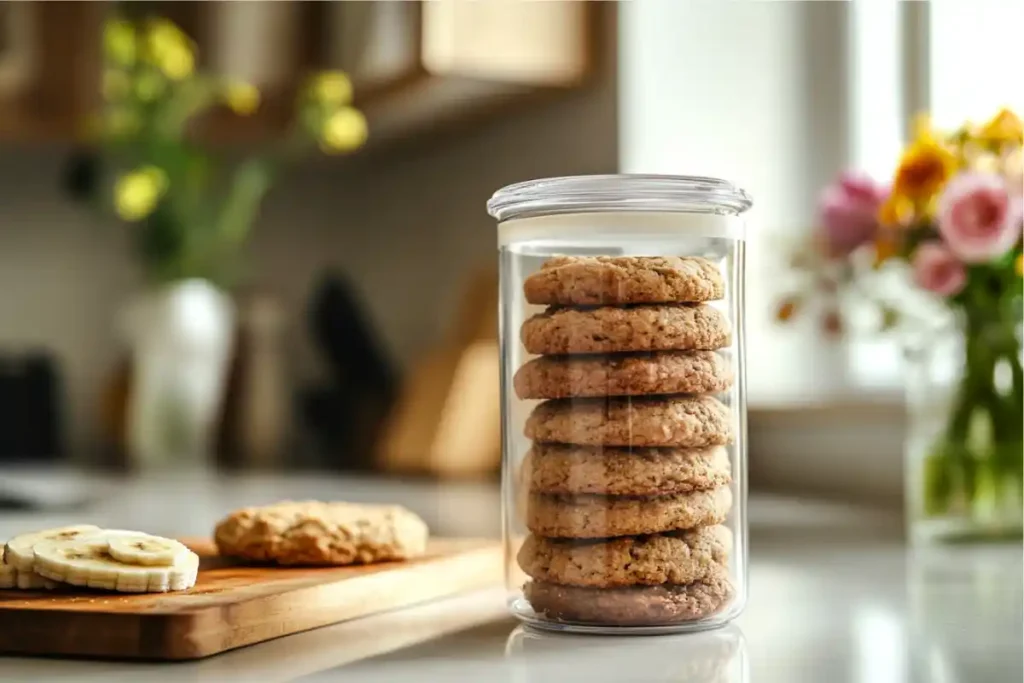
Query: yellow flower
136,194
1005,128
344,130
886,247
121,122
1018,265
332,88
163,35
922,127
923,171
170,49
149,86
896,211
116,84
119,42
243,98
177,64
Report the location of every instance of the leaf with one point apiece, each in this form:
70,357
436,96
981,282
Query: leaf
160,242
251,182
890,318
938,482
188,99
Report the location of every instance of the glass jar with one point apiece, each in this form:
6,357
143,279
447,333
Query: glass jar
623,401
965,401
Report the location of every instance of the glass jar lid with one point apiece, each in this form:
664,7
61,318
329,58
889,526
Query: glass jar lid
620,193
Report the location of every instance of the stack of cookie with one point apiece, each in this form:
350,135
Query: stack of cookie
628,475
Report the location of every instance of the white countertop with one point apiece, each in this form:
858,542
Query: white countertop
834,596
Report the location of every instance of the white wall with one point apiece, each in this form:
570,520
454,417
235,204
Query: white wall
760,93
745,91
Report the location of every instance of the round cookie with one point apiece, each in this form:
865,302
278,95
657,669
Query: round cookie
607,329
682,421
677,557
661,372
590,516
569,469
632,606
617,280
318,533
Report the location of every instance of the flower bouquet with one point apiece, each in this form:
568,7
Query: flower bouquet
950,224
190,210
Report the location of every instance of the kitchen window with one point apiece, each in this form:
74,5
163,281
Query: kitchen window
780,97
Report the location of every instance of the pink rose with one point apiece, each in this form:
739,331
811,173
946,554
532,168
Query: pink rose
938,270
977,217
849,212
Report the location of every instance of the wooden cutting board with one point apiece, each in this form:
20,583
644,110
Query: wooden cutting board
233,605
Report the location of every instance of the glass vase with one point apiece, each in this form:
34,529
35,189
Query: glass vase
965,396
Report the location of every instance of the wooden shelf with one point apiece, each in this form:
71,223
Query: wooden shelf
466,61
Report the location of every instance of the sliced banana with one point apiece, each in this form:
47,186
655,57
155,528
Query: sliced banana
8,576
11,577
150,551
30,581
87,562
18,551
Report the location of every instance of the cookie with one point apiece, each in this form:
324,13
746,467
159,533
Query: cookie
632,606
677,557
590,516
617,280
315,533
684,421
607,329
661,372
569,469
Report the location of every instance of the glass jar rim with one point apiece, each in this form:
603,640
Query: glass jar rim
618,192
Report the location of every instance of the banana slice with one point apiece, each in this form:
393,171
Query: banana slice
18,551
30,581
87,562
10,577
150,551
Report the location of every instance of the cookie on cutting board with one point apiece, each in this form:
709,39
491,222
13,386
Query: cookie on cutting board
318,533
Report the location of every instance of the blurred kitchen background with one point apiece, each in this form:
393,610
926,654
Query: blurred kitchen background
357,331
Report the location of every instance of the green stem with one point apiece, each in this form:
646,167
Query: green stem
979,460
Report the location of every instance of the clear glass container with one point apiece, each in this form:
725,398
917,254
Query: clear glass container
623,402
965,401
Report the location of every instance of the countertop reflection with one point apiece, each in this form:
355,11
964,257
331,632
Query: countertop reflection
835,597
708,657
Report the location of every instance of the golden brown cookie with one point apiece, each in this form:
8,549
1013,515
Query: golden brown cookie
608,329
634,605
590,516
316,533
681,421
569,469
675,557
617,280
635,374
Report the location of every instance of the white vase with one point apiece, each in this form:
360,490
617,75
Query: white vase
181,338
